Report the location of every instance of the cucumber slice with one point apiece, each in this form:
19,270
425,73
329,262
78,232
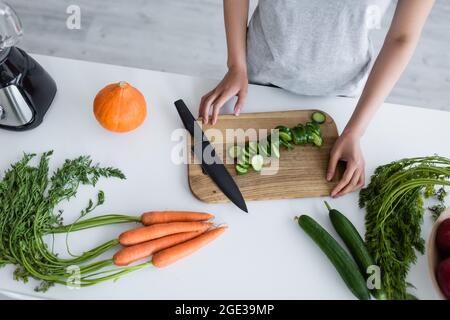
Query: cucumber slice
285,136
274,148
257,162
318,117
285,133
267,146
309,132
304,137
287,145
244,161
240,170
234,151
246,152
262,148
283,129
253,147
314,127
275,151
299,135
317,140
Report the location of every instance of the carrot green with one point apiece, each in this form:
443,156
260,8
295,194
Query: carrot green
394,202
28,213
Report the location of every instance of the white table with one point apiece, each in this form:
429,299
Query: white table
264,254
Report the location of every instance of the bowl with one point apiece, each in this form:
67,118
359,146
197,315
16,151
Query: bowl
433,254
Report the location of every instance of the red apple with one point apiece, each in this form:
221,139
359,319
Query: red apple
443,238
443,277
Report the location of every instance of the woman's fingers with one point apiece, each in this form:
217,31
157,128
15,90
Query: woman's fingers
203,109
239,103
352,185
346,178
218,104
362,180
209,100
332,164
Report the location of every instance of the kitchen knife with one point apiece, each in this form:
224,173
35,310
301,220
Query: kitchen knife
213,166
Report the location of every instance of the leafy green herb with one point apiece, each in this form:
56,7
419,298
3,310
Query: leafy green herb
440,194
91,207
394,206
436,210
28,200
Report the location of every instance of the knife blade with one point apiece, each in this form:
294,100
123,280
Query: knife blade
213,165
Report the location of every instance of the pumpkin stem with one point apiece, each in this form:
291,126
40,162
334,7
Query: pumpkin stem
122,84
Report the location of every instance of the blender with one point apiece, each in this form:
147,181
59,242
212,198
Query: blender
26,89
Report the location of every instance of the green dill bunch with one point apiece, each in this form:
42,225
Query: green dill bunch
394,201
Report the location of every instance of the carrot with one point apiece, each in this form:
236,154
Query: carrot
153,217
170,255
143,234
139,251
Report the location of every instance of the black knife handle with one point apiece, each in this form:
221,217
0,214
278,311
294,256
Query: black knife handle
189,122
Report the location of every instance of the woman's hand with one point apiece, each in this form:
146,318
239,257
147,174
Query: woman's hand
234,83
347,149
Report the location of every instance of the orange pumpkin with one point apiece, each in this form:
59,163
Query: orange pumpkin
119,107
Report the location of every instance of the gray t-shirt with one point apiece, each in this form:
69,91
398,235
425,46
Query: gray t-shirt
313,47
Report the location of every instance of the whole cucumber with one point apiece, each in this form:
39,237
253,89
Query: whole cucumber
355,245
341,260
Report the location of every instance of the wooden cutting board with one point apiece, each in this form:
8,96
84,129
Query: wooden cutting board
301,172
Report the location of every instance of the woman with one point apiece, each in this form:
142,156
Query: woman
319,47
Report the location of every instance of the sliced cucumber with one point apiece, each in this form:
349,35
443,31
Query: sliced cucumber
309,131
285,133
316,139
243,160
318,117
241,170
285,137
275,150
283,129
299,135
286,144
244,163
253,147
257,162
314,127
262,148
269,146
234,151
246,151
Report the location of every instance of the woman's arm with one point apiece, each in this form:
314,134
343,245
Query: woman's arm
235,81
399,45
